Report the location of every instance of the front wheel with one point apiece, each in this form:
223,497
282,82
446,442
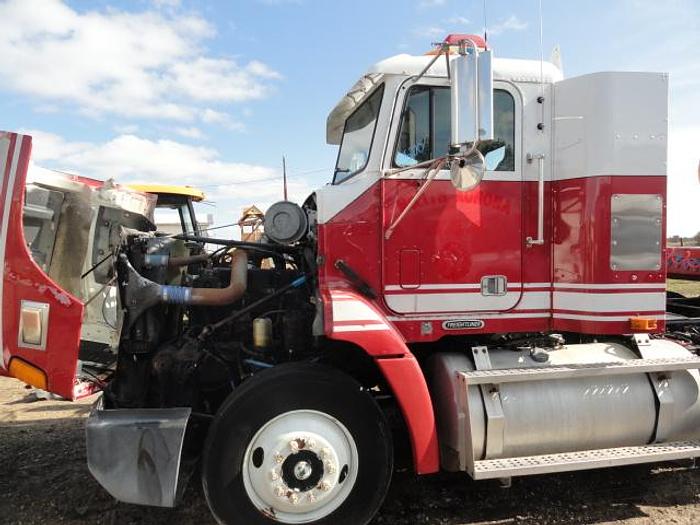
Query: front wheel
299,443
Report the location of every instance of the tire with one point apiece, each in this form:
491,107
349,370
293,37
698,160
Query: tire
299,443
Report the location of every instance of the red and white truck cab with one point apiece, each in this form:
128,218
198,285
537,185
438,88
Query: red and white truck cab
487,266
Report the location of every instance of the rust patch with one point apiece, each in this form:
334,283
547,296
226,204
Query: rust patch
269,512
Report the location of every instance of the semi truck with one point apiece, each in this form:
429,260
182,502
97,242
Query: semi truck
480,289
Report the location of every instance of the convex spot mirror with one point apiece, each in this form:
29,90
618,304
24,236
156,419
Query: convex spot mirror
466,172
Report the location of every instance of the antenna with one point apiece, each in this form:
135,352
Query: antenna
284,176
541,61
486,33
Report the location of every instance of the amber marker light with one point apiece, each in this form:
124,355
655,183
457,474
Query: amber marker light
643,323
28,373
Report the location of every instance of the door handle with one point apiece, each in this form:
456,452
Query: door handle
539,241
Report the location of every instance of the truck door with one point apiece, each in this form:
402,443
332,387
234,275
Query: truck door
40,322
453,251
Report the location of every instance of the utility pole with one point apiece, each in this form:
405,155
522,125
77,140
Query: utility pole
284,175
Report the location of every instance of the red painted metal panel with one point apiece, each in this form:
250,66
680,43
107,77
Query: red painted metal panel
350,317
462,236
405,377
410,269
24,280
581,249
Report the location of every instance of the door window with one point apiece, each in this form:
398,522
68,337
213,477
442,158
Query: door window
426,128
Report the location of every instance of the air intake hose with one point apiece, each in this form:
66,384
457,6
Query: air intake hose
212,296
141,293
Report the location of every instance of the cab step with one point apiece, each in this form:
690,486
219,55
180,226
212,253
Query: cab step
541,373
584,460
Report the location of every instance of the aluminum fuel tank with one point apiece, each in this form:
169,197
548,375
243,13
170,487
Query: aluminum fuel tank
563,415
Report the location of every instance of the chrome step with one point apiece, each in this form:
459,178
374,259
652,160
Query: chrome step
541,373
588,459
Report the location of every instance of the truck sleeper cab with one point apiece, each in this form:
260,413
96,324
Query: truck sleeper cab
514,328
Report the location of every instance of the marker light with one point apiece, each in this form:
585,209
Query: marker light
28,373
643,324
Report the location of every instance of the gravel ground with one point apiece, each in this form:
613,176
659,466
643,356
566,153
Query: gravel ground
44,479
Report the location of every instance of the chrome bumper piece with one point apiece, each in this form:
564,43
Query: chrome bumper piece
135,454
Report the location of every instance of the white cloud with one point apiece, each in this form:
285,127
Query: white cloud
129,158
512,23
459,21
166,3
431,3
190,132
148,64
281,2
430,32
210,116
683,183
126,128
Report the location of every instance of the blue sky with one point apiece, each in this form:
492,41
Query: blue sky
212,93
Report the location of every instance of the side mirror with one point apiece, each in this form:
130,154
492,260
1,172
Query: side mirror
472,95
471,113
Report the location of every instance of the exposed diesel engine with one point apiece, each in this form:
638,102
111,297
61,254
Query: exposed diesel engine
198,321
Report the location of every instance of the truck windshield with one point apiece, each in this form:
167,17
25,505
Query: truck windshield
357,138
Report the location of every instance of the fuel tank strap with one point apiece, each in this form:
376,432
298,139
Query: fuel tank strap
660,382
493,405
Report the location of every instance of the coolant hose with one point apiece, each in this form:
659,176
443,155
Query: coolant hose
174,262
212,296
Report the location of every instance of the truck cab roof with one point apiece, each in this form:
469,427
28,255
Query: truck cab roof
509,69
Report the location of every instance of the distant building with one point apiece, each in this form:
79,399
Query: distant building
251,224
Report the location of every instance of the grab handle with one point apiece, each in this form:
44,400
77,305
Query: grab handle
539,241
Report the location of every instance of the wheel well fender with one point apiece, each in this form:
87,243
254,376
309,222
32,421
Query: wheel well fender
350,317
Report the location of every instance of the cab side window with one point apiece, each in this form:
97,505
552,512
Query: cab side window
425,129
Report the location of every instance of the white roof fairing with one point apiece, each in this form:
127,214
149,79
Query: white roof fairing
514,70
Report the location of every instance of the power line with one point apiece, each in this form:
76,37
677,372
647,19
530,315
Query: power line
266,179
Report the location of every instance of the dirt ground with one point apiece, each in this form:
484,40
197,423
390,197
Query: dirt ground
44,479
687,288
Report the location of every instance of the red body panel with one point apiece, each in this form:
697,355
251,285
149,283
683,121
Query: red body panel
461,236
450,239
582,212
24,280
683,262
350,317
443,247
